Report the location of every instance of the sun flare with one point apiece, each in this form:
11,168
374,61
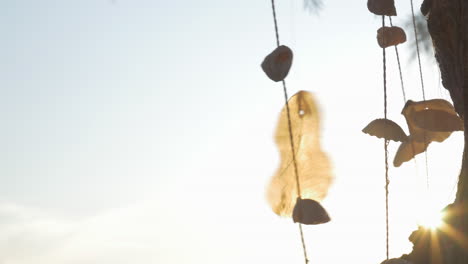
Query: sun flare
432,219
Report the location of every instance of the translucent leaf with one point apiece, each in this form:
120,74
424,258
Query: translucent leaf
409,149
382,7
313,164
385,128
277,64
413,114
309,212
390,36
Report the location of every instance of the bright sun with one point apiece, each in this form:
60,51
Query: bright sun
432,219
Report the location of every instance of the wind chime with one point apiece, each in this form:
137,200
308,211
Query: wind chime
303,177
428,120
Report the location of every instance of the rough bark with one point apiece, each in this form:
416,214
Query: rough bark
447,21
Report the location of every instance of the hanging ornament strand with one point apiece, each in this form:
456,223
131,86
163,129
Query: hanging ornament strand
402,86
422,83
387,182
417,50
306,259
399,67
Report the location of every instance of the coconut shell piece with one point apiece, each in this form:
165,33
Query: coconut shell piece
277,64
428,125
385,128
309,212
313,165
390,36
428,121
438,121
409,149
382,7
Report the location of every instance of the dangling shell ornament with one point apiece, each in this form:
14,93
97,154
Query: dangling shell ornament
390,36
382,7
309,212
278,63
428,121
385,128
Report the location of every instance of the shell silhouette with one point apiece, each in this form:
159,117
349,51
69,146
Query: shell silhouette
428,121
278,63
408,150
385,128
313,164
416,112
309,212
390,36
382,7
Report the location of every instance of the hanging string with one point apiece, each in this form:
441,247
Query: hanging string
399,67
387,182
285,91
403,88
276,22
417,50
422,84
293,150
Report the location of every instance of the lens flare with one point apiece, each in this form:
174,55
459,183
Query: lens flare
432,219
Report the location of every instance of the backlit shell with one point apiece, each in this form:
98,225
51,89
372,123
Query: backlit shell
390,36
385,128
382,7
278,63
309,212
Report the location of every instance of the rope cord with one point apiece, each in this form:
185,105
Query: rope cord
417,50
290,134
399,67
402,87
422,84
293,150
387,182
276,22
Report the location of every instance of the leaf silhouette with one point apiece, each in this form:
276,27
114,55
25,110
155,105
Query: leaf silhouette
313,6
385,128
278,63
312,163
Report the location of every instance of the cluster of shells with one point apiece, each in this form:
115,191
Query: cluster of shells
428,121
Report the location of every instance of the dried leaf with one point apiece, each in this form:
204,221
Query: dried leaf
385,128
277,64
312,163
309,212
382,7
390,36
409,149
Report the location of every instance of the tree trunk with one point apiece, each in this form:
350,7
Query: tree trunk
448,25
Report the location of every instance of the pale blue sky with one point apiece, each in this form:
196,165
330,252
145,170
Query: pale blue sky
142,131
